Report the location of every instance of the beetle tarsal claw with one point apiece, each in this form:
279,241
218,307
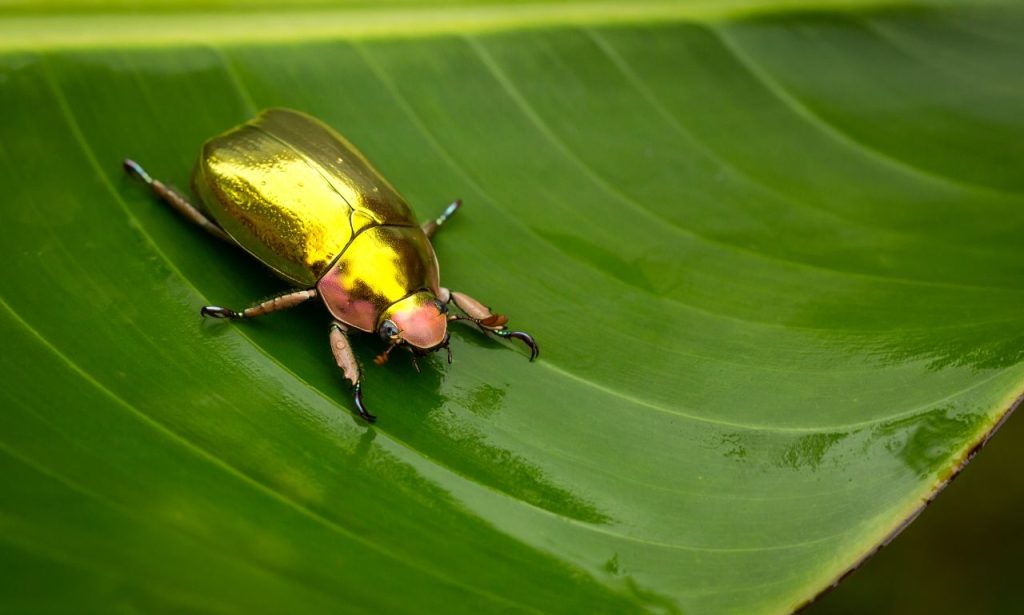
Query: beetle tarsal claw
357,395
214,311
136,169
524,337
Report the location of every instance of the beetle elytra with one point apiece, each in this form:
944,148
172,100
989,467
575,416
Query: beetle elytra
296,195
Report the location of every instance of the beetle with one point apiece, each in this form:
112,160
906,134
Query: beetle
301,199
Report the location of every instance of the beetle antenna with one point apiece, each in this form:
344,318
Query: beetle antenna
382,358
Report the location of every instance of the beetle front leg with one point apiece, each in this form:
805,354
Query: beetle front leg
281,302
178,202
487,321
346,360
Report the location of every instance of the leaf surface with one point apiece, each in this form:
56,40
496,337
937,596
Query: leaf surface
772,254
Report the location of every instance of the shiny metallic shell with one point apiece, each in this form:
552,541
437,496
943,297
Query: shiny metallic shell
294,193
382,265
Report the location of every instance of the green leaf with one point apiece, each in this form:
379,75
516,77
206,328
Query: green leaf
772,254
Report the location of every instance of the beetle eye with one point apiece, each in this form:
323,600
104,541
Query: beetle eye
388,330
441,307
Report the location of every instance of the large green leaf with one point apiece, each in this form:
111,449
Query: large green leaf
773,256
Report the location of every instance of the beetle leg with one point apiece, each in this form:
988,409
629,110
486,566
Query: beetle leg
346,360
178,202
478,312
487,321
430,226
278,303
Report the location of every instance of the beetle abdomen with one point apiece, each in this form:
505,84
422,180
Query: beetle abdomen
293,192
341,165
273,203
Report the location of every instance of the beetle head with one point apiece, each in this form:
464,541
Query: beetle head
419,320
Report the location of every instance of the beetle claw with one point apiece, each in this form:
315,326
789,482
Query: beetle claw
524,337
214,311
357,395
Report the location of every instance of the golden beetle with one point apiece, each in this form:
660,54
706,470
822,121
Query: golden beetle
300,198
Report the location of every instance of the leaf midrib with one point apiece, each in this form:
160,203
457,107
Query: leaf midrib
25,29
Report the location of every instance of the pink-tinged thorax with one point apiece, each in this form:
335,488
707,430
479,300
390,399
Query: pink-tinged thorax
383,267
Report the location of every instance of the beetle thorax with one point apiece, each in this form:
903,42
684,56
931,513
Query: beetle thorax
382,266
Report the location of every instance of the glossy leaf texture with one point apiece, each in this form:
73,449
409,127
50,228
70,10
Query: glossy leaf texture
773,257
